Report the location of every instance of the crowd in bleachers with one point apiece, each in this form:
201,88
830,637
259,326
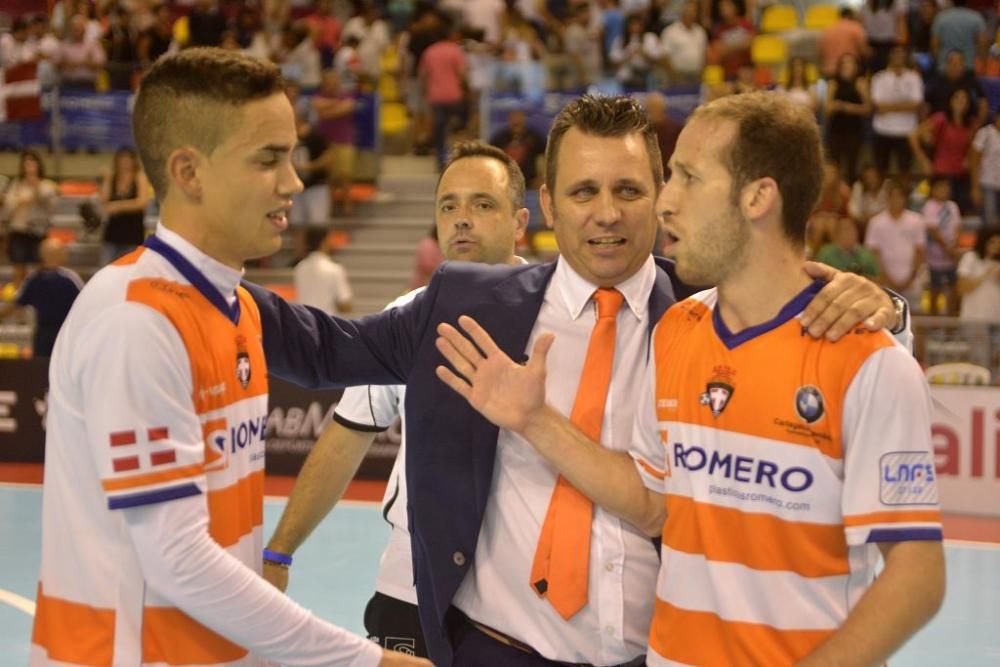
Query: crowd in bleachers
914,156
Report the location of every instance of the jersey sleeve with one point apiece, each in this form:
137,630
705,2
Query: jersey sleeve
890,491
647,448
142,428
369,408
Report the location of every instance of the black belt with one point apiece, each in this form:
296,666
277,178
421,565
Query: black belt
510,642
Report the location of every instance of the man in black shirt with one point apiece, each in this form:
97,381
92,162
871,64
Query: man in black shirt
51,291
956,77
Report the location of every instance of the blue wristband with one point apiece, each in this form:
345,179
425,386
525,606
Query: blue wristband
276,557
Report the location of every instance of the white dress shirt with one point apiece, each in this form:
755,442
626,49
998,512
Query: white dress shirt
614,626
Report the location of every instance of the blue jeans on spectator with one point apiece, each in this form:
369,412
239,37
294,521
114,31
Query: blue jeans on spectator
443,115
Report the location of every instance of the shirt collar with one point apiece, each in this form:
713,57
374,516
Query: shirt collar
222,277
575,292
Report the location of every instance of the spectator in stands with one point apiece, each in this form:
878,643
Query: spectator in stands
16,46
140,15
979,278
484,15
524,144
520,48
684,46
831,206
920,34
898,238
950,134
954,76
325,30
50,291
667,129
206,23
28,204
311,207
583,47
321,282
885,25
119,45
125,194
984,171
897,94
299,57
334,108
959,28
251,37
797,86
847,107
46,49
80,58
443,71
845,37
634,54
612,23
158,39
868,196
424,30
846,254
427,258
347,63
731,39
373,37
943,222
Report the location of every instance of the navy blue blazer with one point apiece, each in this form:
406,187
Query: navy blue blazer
450,446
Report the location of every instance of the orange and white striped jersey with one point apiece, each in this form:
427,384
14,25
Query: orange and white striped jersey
158,400
784,460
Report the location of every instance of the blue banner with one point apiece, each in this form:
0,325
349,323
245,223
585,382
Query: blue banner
103,122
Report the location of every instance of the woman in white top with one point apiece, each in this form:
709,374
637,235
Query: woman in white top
979,278
28,204
797,85
868,196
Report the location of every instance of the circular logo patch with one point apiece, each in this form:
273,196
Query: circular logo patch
809,403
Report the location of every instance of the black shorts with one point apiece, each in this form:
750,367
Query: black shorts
395,625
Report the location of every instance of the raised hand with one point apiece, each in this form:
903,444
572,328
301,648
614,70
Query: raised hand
505,392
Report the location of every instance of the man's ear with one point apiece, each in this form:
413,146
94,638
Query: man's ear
184,172
760,198
548,212
521,217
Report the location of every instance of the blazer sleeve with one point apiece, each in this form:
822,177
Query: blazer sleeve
309,348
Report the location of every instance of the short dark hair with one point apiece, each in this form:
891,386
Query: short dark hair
776,138
515,177
173,107
603,116
315,237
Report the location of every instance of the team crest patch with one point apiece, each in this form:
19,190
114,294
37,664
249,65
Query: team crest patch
719,390
243,370
809,404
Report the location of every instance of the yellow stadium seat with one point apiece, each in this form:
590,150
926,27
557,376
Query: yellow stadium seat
182,30
820,16
544,243
768,50
393,118
713,75
779,18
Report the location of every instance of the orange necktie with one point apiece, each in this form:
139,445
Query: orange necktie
562,558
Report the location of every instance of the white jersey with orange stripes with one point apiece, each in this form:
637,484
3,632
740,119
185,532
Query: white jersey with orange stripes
785,460
157,405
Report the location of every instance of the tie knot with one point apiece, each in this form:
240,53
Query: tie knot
609,302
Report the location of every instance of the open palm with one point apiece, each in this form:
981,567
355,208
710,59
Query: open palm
505,392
